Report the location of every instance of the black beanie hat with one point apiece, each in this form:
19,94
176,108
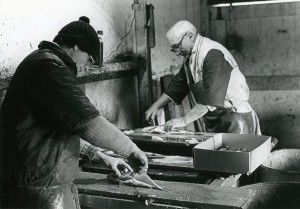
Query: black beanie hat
84,35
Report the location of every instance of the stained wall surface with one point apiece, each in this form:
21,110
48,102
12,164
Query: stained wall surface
23,24
117,100
265,41
167,13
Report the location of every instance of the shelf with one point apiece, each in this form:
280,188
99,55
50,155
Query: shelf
108,71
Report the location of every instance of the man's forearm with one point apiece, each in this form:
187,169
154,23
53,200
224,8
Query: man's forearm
195,113
162,101
101,133
152,111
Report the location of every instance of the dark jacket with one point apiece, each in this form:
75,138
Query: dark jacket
41,110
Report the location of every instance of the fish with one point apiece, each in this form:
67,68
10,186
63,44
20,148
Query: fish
161,129
134,179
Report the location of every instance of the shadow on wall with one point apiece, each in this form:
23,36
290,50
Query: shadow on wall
234,42
283,130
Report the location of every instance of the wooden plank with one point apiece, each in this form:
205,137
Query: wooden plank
162,174
171,144
99,202
140,23
231,181
107,76
169,137
165,148
186,167
174,193
107,71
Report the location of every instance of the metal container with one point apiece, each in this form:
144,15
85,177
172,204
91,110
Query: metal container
282,165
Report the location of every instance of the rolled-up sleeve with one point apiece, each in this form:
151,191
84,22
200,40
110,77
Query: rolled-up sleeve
54,92
216,75
178,88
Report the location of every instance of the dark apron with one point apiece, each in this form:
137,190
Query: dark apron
55,190
221,120
51,197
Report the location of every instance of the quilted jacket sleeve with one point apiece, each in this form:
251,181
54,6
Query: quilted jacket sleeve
54,92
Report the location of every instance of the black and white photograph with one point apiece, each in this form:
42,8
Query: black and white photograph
149,104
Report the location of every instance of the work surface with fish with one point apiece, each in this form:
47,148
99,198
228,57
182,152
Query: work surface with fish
171,167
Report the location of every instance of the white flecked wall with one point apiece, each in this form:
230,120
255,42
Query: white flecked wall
116,100
167,13
24,23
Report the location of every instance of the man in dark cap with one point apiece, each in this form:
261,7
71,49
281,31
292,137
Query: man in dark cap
43,115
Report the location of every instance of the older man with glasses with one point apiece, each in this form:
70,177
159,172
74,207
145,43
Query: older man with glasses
212,75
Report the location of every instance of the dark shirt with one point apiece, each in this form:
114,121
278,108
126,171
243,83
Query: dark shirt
41,110
213,77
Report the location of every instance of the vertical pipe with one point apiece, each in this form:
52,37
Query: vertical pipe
150,44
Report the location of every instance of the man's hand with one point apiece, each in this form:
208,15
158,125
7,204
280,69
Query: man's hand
176,122
118,165
138,160
151,112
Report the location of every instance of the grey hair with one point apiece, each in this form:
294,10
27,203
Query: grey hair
181,27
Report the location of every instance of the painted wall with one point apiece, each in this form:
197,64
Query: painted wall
269,42
117,100
167,13
23,24
270,36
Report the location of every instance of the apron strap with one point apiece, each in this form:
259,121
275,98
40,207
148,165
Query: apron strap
187,69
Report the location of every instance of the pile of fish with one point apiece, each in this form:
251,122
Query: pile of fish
239,149
162,130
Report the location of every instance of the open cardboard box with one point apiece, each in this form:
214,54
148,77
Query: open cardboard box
207,156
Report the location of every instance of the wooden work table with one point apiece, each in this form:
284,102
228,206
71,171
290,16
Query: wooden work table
95,191
184,187
186,195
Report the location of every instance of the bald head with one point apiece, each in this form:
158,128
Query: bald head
178,30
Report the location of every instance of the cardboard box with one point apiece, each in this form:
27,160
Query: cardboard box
207,156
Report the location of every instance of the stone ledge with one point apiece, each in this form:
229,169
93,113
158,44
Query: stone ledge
108,71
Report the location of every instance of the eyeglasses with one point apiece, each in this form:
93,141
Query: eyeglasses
176,46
